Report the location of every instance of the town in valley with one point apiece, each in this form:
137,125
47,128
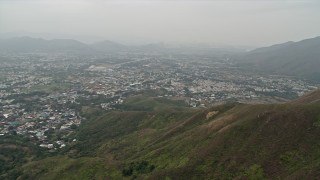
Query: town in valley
41,94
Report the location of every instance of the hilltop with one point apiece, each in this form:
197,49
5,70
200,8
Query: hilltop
226,142
299,59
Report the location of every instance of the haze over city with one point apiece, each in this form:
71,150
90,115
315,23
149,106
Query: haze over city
252,23
159,89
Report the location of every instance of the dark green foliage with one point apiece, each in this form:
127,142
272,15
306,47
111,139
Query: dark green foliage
255,172
142,103
127,171
14,152
140,167
291,158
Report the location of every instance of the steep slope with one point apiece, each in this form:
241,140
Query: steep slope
14,152
231,141
271,48
292,58
310,98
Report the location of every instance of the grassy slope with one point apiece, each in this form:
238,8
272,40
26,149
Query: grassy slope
241,141
61,167
14,152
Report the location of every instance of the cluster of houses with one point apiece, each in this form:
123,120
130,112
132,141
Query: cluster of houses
48,124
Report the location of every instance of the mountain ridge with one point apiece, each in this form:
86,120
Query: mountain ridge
300,59
27,44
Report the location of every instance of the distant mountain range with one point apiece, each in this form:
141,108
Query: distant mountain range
292,58
300,59
28,44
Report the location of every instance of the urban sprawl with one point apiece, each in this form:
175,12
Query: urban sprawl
41,95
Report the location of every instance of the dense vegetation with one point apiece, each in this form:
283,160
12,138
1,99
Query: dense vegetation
174,142
15,151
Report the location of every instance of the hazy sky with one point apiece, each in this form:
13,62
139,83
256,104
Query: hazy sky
254,22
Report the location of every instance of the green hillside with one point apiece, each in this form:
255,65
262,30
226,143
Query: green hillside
231,141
